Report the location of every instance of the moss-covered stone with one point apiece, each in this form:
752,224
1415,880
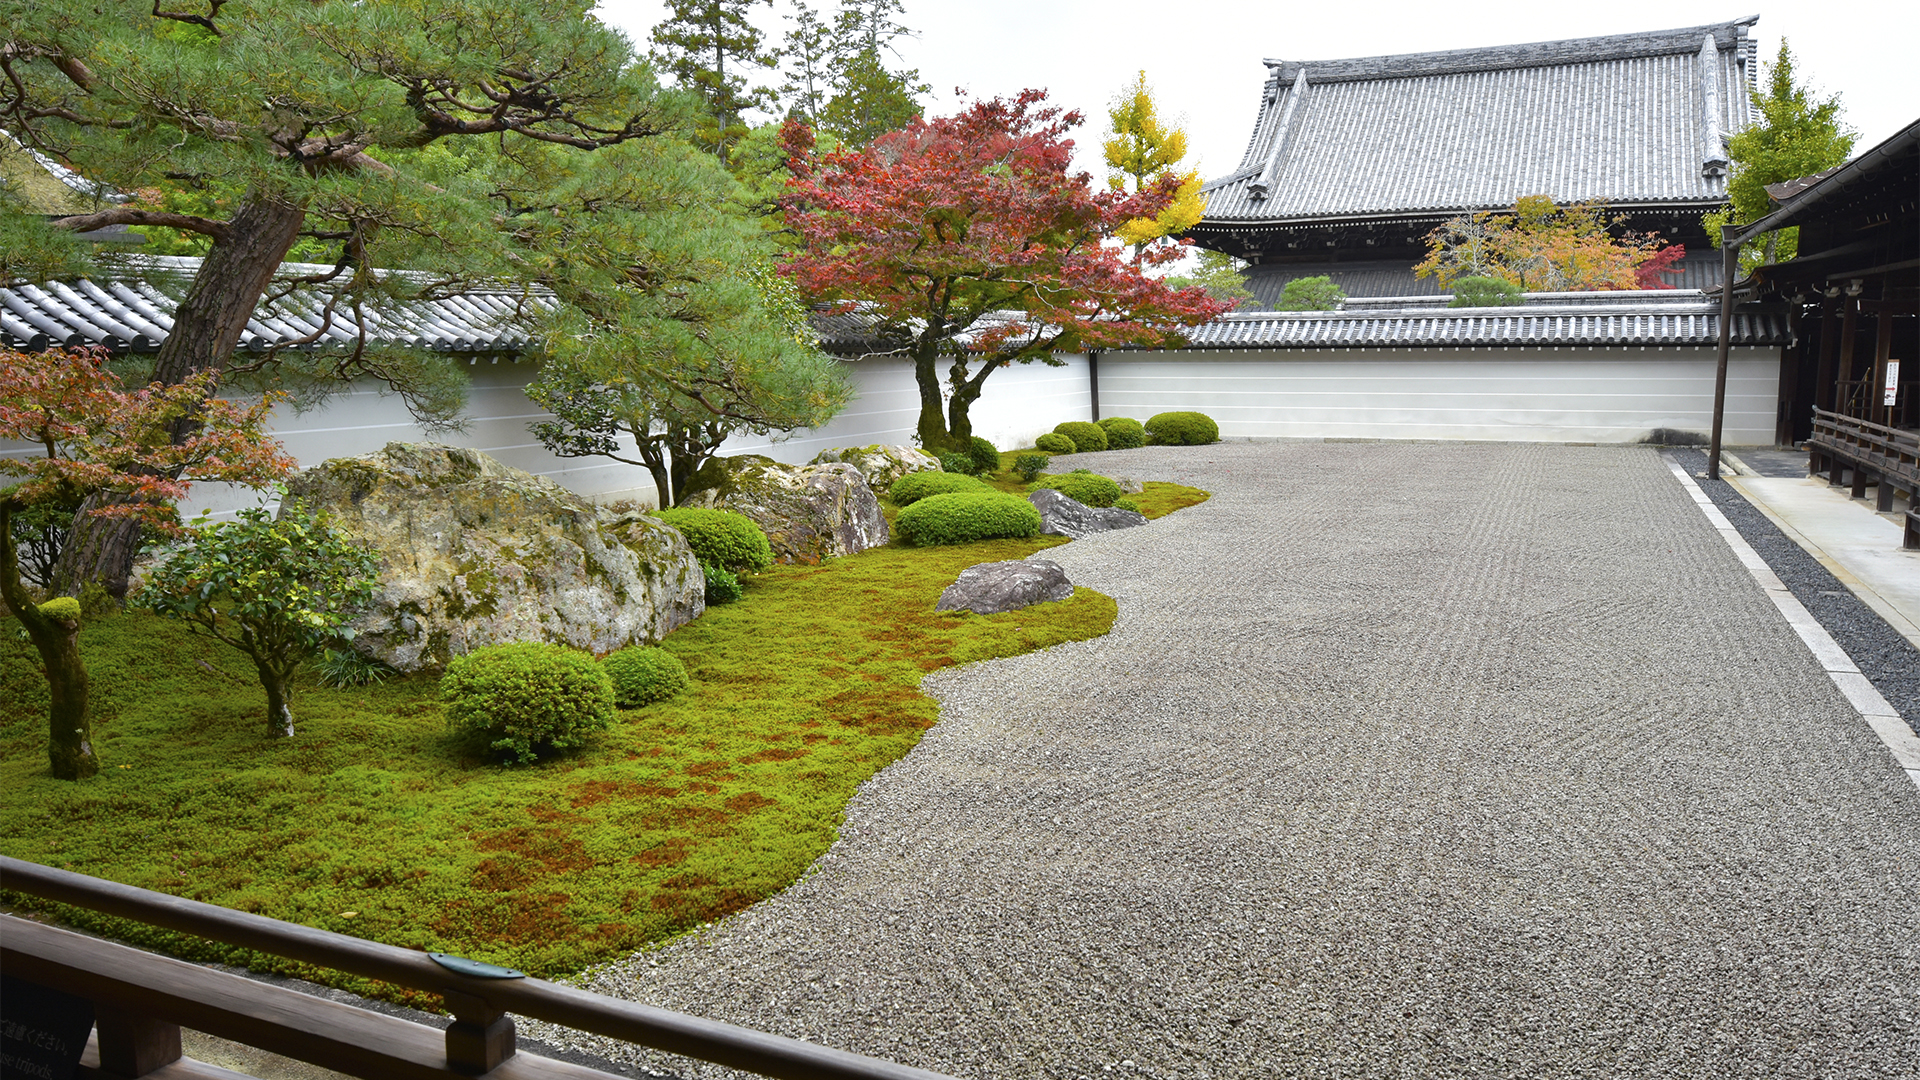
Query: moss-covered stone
809,512
476,553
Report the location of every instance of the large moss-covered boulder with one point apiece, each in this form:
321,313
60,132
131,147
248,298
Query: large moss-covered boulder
475,553
881,464
809,512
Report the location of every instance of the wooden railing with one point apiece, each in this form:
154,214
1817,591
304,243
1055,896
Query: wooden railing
1886,457
141,1001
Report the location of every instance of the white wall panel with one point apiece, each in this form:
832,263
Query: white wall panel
1565,395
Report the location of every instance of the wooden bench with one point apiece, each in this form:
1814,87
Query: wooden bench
1846,448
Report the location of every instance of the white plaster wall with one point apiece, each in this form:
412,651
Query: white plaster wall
1544,395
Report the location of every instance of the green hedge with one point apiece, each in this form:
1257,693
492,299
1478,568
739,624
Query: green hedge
527,698
913,487
1054,443
643,675
1182,429
1123,432
1082,487
965,516
1087,436
721,537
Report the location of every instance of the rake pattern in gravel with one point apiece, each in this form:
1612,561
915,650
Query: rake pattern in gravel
1401,761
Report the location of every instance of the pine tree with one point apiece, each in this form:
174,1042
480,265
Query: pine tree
711,50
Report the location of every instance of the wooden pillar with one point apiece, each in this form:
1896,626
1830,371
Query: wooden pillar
481,1035
1850,310
1093,381
133,1046
1823,396
1882,352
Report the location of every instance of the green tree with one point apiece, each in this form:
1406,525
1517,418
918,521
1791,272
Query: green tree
278,589
1484,292
1317,293
808,57
1798,135
1219,274
869,98
443,136
711,49
1141,151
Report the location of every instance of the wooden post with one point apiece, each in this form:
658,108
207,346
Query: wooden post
480,1037
1730,263
1849,311
1823,393
1882,352
133,1046
1093,381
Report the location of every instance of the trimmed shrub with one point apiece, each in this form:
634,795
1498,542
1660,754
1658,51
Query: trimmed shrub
1086,435
913,487
1054,443
723,587
722,538
1029,466
1082,487
985,455
643,675
1182,429
526,698
1311,294
958,463
967,515
1123,432
1126,504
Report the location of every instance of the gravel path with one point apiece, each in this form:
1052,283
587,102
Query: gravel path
1402,761
1885,657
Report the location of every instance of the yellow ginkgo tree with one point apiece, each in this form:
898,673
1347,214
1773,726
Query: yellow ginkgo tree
1142,149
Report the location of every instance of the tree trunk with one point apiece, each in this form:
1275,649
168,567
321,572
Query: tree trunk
932,427
206,328
69,736
279,716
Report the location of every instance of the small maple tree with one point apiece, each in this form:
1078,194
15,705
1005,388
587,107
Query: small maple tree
967,240
96,438
1541,246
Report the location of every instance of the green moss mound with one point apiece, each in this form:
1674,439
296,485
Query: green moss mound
1082,487
721,537
1087,436
526,699
1124,432
913,487
1182,429
643,675
1054,443
61,608
963,517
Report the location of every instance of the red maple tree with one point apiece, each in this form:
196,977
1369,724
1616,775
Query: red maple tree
95,438
966,241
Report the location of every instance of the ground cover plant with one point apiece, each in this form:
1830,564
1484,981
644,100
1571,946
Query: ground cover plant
379,821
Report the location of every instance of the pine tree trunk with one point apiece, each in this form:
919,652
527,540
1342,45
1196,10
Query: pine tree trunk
69,735
206,329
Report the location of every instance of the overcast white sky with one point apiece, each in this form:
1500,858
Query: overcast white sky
1203,59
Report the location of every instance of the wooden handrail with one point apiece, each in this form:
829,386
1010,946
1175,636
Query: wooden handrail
480,1002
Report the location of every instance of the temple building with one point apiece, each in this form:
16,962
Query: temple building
1353,162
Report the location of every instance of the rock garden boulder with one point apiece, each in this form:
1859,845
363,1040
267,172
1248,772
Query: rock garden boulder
474,553
809,512
1062,516
1005,586
880,464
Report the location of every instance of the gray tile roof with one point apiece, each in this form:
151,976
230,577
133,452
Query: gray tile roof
1622,118
1698,270
135,311
1546,319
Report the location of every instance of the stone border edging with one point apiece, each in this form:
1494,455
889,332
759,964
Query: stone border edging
1881,716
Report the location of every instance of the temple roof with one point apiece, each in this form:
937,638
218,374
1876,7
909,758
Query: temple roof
1634,119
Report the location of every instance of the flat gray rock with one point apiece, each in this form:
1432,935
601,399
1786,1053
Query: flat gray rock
1061,515
1005,586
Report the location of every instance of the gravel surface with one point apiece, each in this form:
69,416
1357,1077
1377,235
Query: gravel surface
1885,657
1458,760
